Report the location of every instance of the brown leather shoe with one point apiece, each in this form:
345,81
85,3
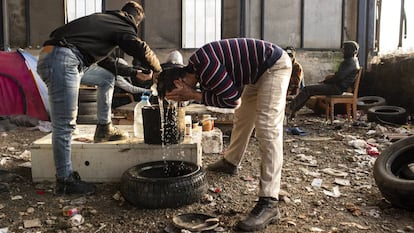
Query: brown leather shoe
264,213
108,132
223,166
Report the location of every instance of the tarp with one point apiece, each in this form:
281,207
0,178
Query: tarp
21,89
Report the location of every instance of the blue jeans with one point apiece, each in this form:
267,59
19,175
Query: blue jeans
61,70
105,81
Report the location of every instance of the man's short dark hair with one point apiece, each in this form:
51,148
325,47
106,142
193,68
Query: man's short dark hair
167,77
135,9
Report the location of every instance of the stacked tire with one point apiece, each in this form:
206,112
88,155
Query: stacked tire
367,102
387,114
378,111
87,106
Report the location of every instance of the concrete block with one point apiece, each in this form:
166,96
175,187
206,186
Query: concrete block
106,162
212,141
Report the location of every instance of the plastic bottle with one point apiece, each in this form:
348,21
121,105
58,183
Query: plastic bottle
188,125
138,122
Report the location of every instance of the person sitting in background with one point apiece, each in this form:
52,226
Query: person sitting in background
333,84
135,86
116,68
296,78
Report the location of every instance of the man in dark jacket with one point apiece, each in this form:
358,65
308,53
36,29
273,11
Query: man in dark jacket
70,49
333,84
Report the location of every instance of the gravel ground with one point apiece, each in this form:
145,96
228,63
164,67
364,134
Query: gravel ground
327,187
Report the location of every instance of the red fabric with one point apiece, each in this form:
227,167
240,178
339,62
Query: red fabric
14,73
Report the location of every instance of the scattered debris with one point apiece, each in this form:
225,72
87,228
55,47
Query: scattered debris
353,224
335,192
76,220
334,172
342,182
31,223
317,182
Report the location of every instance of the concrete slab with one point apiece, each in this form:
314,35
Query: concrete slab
212,141
222,115
106,162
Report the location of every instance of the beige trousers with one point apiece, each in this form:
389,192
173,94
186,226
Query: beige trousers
263,107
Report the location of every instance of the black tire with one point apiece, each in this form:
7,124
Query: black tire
87,119
87,108
163,184
391,173
366,102
387,114
87,95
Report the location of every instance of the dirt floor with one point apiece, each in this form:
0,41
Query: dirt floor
327,184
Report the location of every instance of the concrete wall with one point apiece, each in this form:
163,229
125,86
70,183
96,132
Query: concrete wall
282,22
162,25
231,19
161,28
281,25
17,22
45,15
392,77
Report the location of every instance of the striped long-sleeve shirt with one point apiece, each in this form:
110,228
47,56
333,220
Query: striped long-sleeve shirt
223,67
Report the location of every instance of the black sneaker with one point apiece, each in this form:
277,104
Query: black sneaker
74,185
223,166
264,213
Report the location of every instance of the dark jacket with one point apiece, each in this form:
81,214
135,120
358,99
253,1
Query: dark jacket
96,35
346,74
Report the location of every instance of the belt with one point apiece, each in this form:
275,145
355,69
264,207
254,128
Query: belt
47,49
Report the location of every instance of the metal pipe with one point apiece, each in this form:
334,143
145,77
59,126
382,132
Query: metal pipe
221,19
243,18
342,21
262,18
302,22
28,36
1,25
377,25
103,5
362,29
403,23
6,38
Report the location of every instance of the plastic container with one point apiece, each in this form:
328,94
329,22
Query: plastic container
154,132
208,122
188,125
181,123
138,122
69,211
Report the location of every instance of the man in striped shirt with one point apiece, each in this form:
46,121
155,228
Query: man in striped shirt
251,76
